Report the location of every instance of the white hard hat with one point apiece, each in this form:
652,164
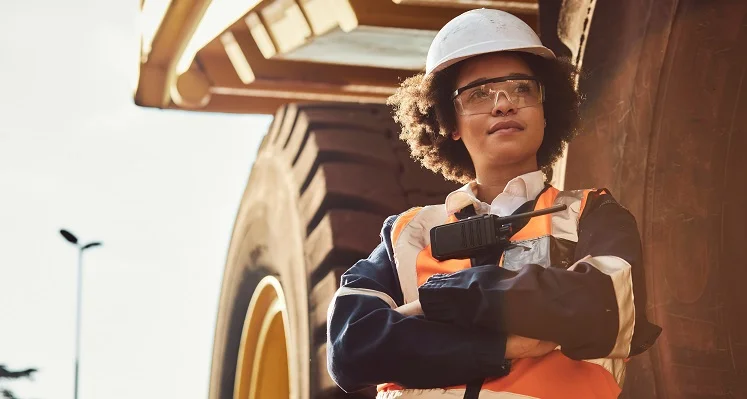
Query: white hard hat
478,32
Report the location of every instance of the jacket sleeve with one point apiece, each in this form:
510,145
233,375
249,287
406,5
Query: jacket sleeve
594,309
370,343
609,240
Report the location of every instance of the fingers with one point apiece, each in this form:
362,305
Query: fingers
518,347
410,309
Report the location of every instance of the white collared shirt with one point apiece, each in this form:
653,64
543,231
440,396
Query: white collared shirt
518,191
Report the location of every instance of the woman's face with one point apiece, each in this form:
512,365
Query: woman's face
490,143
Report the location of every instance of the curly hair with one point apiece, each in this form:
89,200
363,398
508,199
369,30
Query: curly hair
425,110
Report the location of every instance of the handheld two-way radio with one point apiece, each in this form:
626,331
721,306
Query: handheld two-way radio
478,236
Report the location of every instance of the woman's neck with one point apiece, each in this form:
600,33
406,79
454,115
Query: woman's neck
492,181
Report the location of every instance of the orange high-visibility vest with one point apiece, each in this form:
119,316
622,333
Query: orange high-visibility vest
546,240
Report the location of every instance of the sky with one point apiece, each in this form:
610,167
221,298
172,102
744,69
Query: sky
159,188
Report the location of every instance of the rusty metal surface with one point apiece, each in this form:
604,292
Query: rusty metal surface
548,27
665,128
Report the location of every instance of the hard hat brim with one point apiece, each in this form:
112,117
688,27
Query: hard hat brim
486,48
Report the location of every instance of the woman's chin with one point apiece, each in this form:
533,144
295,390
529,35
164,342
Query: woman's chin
513,151
503,157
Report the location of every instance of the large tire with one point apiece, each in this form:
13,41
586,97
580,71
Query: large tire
664,125
325,178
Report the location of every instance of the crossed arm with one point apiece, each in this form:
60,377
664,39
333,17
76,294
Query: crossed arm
517,347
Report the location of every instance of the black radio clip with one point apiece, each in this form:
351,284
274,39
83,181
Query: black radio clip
479,235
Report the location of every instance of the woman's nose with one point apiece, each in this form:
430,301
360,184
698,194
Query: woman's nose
503,106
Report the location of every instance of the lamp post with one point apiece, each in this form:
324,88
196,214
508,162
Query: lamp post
71,238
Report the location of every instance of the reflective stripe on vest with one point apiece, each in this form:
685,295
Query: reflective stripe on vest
545,240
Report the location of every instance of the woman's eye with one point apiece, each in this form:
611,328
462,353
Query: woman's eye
479,94
523,88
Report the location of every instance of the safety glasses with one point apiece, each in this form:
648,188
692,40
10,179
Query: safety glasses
481,97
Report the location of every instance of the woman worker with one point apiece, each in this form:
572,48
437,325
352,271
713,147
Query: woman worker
559,311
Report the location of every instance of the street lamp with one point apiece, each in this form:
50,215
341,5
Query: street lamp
71,238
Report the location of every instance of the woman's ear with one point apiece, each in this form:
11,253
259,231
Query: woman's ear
456,136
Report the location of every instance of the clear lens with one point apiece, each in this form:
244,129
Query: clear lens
482,99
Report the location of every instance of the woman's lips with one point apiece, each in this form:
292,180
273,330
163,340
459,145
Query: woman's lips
505,127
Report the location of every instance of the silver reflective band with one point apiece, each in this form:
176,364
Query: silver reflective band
345,291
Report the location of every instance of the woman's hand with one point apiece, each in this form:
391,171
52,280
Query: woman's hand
518,347
410,309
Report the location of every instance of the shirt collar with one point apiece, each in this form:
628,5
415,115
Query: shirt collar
528,186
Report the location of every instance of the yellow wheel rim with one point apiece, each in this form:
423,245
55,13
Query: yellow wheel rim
262,369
